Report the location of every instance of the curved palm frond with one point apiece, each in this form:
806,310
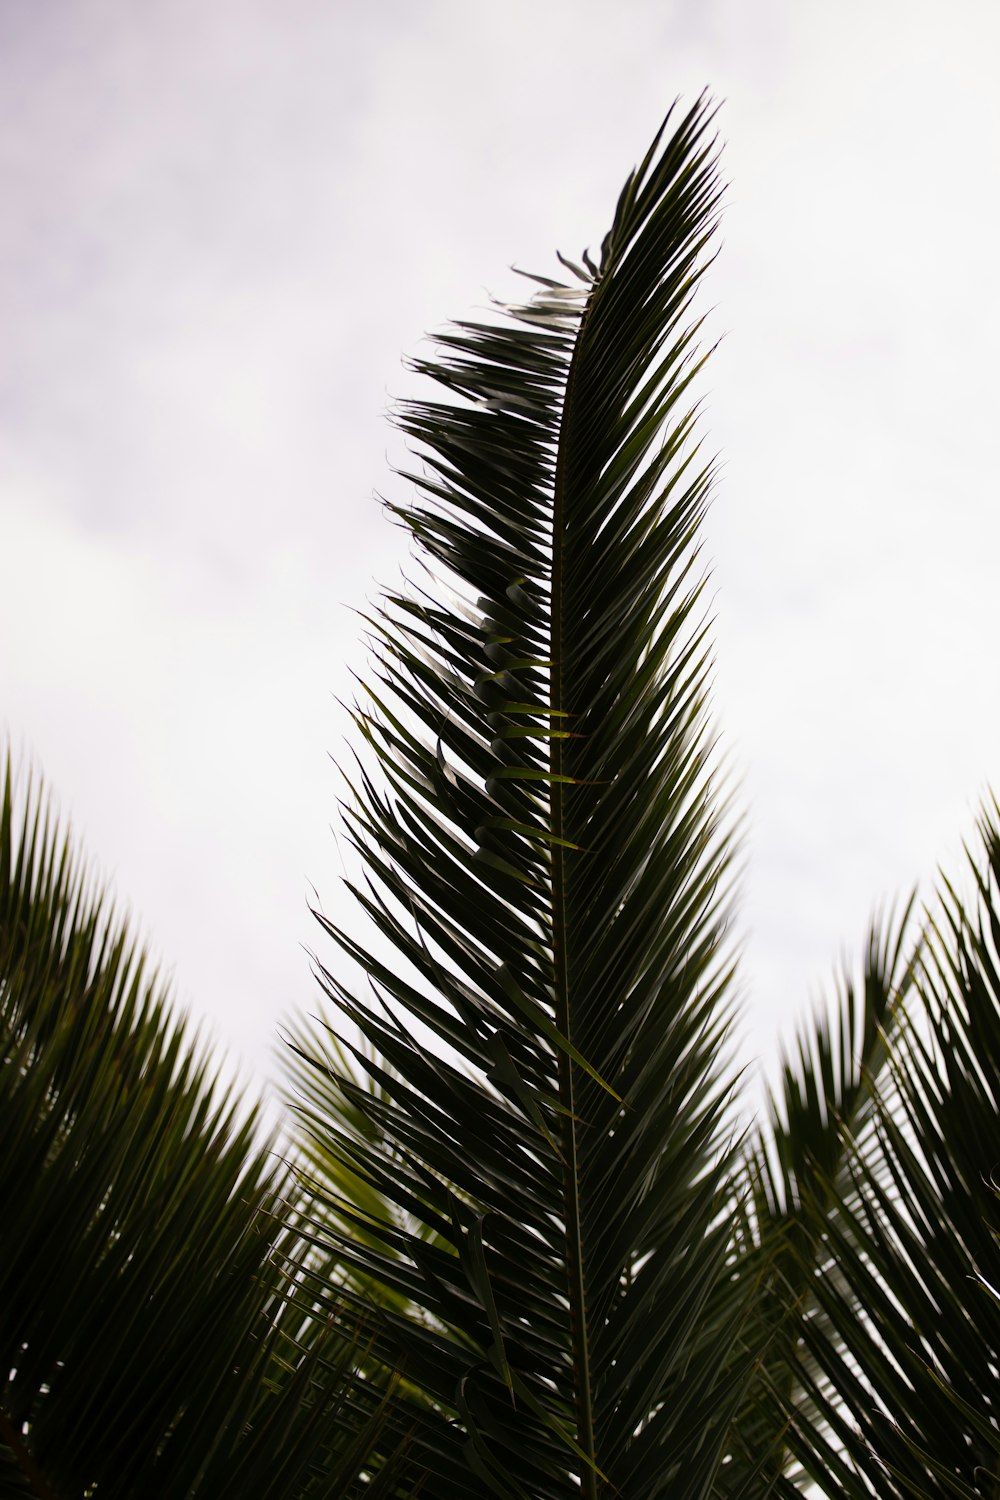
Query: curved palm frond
153,1340
800,1163
902,1360
827,1092
548,868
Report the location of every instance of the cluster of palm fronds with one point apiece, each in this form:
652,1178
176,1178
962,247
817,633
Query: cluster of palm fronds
520,1249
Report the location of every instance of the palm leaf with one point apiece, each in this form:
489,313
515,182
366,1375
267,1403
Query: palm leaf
153,1339
800,1163
901,1362
547,876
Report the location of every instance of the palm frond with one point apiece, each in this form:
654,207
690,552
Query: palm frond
827,1091
153,1340
903,1358
545,862
800,1162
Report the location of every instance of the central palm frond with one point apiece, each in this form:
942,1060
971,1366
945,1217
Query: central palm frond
547,865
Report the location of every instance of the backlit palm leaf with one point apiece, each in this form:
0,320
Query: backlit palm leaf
545,867
906,1357
152,1343
800,1163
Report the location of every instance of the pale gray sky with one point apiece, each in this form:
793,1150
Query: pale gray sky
223,227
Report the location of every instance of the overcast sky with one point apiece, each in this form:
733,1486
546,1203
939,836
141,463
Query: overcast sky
223,226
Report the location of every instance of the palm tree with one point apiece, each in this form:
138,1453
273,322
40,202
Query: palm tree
155,1341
